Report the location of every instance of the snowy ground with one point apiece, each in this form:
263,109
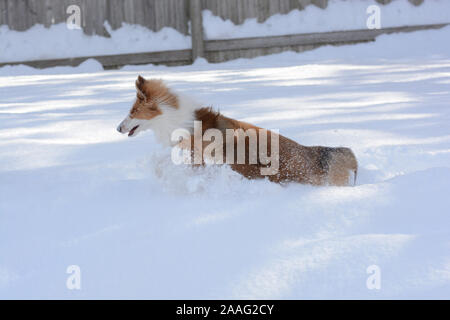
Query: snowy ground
75,192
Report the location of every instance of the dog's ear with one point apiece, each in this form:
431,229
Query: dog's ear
140,88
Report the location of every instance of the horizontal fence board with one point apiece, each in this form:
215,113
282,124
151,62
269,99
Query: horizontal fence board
309,38
220,56
175,57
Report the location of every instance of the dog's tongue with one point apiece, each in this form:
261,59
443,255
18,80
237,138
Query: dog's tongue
132,131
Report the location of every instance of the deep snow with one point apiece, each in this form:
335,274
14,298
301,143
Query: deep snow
73,191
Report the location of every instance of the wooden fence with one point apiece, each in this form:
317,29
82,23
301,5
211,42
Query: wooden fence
222,50
178,14
155,14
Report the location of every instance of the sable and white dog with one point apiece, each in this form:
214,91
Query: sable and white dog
162,110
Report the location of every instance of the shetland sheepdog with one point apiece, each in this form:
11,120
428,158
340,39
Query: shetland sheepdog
163,110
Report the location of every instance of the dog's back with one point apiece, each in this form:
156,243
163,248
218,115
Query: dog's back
312,165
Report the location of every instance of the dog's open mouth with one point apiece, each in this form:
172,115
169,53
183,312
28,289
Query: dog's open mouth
132,131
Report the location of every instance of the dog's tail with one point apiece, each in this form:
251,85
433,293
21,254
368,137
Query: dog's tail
350,162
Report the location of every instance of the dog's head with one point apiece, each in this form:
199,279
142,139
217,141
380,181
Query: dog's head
152,96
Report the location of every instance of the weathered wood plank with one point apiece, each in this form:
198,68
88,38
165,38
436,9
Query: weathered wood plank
112,11
3,13
114,61
320,3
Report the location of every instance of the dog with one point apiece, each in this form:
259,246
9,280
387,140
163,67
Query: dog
163,110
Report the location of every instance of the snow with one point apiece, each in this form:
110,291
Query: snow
58,41
339,15
73,191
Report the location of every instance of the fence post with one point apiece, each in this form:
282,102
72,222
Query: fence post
195,12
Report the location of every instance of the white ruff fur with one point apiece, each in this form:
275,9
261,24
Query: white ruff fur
163,125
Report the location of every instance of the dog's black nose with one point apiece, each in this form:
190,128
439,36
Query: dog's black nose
119,128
